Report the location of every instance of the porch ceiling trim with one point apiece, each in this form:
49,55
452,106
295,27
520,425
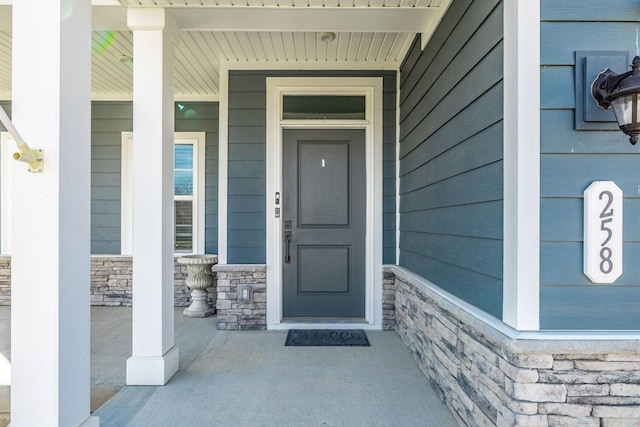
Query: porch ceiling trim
313,65
122,97
287,19
407,20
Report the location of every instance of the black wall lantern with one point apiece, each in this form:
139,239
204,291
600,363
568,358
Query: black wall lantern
621,91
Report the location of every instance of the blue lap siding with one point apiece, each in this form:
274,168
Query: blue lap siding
571,160
108,120
451,169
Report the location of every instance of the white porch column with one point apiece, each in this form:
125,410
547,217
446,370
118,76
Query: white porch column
155,358
521,271
50,316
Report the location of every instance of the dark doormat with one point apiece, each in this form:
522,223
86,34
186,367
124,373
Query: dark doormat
326,338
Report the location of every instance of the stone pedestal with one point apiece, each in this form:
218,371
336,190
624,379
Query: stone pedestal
199,278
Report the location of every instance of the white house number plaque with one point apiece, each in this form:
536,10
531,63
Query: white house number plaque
603,232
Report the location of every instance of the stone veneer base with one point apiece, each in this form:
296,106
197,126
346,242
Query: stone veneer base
485,372
488,376
235,316
111,282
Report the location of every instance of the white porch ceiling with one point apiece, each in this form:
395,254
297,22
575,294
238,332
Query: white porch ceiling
259,34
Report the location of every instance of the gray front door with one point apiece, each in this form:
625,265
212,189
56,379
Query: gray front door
324,223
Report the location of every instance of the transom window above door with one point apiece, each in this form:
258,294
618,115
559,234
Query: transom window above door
324,107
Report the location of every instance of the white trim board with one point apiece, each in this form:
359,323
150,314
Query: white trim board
223,163
314,65
198,139
521,261
178,97
7,148
371,88
398,216
297,18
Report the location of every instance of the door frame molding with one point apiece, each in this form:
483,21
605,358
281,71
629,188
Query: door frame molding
371,89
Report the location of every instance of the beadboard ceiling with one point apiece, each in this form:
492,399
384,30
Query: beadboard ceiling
267,34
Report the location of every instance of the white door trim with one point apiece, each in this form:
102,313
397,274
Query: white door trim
371,88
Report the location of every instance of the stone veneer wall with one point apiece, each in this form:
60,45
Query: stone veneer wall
253,316
232,315
487,377
388,301
5,280
111,285
111,280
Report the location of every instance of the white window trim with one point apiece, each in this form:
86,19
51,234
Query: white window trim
371,88
198,139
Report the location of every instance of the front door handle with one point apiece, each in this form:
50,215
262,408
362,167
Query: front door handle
287,249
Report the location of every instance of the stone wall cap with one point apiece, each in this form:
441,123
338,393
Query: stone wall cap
489,332
521,341
111,257
460,308
547,346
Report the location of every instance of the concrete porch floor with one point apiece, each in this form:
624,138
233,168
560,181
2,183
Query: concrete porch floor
251,379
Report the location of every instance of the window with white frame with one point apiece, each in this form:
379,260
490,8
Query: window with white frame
183,180
189,194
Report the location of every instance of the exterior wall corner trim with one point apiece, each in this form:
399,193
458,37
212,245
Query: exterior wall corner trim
521,263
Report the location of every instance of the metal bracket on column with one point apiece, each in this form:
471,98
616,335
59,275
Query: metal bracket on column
34,157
